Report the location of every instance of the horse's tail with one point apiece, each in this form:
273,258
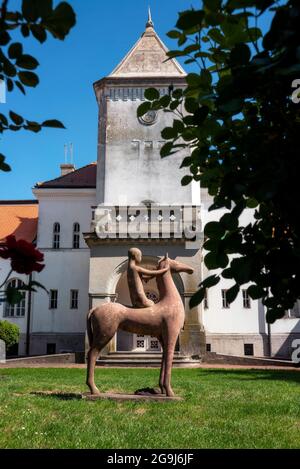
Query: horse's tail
89,329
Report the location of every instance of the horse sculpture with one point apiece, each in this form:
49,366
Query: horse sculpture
163,320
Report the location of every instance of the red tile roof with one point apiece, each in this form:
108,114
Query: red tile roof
19,219
84,177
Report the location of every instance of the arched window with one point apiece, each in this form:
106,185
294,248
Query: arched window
76,236
19,309
56,236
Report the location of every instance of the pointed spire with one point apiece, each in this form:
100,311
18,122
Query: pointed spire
149,23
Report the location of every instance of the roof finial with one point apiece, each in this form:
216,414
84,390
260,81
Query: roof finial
150,23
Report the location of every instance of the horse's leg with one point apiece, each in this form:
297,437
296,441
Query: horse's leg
92,356
162,367
91,362
169,354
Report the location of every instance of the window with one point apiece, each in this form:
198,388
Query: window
53,299
248,349
246,299
74,299
225,303
51,349
205,300
208,347
19,309
56,236
76,236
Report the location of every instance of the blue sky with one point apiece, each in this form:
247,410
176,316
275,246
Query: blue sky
104,33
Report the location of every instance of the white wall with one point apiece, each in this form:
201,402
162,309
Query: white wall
66,268
132,169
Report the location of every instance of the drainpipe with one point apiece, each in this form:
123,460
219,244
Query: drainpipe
269,340
28,319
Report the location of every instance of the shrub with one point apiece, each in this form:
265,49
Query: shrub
9,333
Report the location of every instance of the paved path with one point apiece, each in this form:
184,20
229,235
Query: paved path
200,366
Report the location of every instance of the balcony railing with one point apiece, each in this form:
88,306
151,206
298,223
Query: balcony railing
155,221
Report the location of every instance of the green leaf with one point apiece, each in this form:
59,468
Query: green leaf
27,61
33,126
25,30
38,32
216,260
186,162
174,34
210,281
53,123
152,94
30,10
13,296
256,292
45,8
186,180
143,109
232,293
166,149
229,222
29,78
3,119
252,203
168,133
214,230
4,166
197,298
15,50
34,283
190,19
240,55
4,38
61,20
20,86
18,120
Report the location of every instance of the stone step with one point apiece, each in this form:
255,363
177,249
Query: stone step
137,359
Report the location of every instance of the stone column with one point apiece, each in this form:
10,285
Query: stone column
192,338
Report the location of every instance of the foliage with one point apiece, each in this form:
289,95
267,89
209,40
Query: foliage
37,18
9,333
241,128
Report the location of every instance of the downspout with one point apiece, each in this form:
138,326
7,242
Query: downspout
28,319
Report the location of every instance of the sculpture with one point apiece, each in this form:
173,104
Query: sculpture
163,320
135,273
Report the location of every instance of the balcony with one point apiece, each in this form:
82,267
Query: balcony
147,222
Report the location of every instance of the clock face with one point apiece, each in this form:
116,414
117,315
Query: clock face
149,118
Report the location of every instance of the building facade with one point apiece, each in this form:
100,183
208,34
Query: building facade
86,220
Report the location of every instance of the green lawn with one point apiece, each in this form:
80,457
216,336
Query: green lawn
221,409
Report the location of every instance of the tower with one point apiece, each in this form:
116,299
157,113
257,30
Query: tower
129,162
132,178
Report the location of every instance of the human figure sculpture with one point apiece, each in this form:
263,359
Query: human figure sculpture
162,320
135,273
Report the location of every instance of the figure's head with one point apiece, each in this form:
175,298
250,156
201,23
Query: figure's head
135,254
175,266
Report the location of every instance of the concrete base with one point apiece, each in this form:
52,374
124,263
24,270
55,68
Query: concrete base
130,397
107,395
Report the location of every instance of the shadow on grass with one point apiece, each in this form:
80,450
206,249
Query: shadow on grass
253,375
63,396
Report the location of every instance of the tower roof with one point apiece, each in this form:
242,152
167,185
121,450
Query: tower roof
148,58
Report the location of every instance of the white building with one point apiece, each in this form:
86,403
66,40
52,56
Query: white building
83,269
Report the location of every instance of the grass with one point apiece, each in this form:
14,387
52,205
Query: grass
221,409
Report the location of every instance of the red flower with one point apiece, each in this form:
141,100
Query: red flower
25,258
